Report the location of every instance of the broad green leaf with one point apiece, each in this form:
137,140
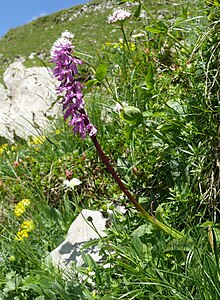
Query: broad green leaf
101,72
142,230
178,107
131,115
141,248
51,212
128,131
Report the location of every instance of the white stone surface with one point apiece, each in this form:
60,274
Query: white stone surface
27,100
80,231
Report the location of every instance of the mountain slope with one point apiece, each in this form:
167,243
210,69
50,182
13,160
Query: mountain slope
87,22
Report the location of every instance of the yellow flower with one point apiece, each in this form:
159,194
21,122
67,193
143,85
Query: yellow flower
132,46
2,148
58,131
27,225
21,235
25,202
20,207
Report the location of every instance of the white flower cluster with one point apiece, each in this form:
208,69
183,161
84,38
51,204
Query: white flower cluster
65,39
119,15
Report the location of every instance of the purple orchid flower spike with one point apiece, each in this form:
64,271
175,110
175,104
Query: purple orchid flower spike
73,106
70,88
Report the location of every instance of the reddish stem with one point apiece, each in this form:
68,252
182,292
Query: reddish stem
115,176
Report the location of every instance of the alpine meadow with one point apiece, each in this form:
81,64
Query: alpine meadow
137,139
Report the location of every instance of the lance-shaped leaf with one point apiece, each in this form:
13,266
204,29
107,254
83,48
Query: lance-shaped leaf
149,78
157,27
101,72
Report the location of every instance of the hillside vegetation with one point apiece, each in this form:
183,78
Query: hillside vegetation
87,22
151,90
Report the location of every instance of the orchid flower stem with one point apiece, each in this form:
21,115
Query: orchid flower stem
168,230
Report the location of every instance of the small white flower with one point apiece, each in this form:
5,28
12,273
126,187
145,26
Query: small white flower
119,15
71,183
65,39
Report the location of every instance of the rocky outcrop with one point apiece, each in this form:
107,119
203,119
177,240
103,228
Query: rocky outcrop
89,225
26,104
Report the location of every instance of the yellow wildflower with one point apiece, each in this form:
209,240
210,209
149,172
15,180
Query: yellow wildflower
2,148
58,131
20,207
27,225
25,202
132,46
21,235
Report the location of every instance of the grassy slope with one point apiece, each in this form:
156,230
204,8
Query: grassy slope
39,35
90,29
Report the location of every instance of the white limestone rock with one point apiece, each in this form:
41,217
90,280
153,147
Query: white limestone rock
80,231
5,104
27,101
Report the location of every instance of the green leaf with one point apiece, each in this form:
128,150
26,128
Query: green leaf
142,230
157,27
131,115
128,131
141,249
149,78
101,72
89,84
138,11
176,106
